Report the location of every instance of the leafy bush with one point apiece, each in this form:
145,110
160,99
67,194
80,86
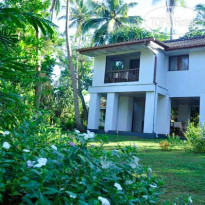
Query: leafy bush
174,140
40,165
195,136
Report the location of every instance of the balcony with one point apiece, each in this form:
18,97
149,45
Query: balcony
117,76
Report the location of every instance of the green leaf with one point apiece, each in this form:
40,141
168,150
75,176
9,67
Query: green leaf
49,190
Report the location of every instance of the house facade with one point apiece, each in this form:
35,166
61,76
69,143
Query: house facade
150,86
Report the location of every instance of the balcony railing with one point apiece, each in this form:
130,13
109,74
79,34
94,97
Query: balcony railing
117,76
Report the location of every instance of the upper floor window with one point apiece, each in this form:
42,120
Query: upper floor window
177,63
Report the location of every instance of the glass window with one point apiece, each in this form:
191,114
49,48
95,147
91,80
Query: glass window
179,63
117,65
173,63
134,64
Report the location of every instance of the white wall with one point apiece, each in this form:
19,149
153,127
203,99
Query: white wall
111,111
149,116
162,67
125,111
99,70
188,83
94,111
163,115
202,109
147,59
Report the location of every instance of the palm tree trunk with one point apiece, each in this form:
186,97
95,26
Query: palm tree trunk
38,86
171,25
73,75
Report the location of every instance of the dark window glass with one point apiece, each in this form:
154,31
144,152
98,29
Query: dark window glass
179,63
134,64
117,65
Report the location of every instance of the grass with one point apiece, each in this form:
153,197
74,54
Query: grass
182,171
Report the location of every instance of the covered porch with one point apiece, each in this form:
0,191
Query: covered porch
135,112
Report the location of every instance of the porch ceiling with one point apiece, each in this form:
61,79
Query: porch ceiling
185,100
115,50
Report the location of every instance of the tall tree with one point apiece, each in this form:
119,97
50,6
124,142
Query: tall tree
109,15
200,17
170,4
78,120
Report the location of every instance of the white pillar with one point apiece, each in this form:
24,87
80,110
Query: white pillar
111,111
94,111
150,112
202,108
163,115
125,113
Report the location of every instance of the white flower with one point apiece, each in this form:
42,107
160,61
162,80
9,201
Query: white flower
104,201
6,145
88,135
145,196
190,200
91,134
118,186
30,163
41,162
77,131
6,133
153,186
54,147
26,150
134,162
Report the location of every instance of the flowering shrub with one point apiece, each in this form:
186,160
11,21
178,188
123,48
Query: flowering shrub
195,136
39,165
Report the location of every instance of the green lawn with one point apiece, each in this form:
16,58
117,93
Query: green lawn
182,171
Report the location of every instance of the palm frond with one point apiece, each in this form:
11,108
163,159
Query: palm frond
15,16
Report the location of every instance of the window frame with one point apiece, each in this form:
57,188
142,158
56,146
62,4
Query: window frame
178,56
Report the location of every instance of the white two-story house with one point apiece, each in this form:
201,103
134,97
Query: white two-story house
150,86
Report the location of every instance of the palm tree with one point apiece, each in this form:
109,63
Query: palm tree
78,120
108,16
200,17
77,14
170,9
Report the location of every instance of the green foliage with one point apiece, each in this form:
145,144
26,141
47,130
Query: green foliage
71,171
129,34
195,135
197,26
174,140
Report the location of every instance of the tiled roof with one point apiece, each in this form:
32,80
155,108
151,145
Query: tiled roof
167,45
185,43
